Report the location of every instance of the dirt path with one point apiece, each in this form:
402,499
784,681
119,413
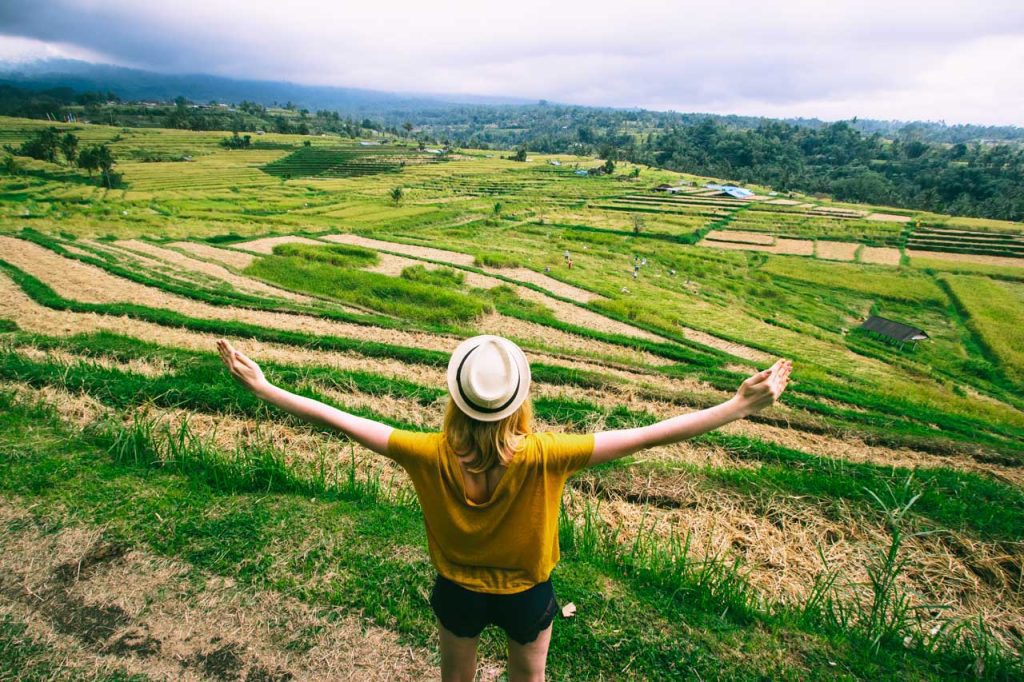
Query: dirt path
179,260
103,604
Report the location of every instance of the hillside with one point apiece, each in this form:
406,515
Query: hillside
965,170
871,524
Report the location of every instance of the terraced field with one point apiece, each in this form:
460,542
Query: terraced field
870,526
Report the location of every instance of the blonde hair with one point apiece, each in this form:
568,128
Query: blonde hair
492,443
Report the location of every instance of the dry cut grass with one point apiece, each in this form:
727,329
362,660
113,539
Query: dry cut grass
104,605
235,259
1006,261
213,270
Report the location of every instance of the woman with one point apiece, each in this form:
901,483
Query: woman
490,489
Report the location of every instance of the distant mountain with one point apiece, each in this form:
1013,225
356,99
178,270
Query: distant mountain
138,85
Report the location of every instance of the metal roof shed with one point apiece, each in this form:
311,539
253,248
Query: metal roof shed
731,190
893,331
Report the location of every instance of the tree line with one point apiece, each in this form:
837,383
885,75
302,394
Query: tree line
51,146
963,170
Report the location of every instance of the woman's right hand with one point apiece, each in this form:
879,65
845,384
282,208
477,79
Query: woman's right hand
761,390
244,370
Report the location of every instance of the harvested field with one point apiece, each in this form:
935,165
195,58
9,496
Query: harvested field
246,284
889,217
15,305
554,339
741,236
834,210
880,255
784,202
522,274
267,244
235,259
583,317
730,347
830,250
79,251
145,367
407,249
794,247
81,282
551,284
968,258
393,266
782,245
772,536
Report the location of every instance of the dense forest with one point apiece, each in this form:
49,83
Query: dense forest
963,170
963,179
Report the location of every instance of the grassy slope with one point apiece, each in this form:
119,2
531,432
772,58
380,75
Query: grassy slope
220,518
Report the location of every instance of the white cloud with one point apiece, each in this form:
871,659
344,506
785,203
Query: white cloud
14,49
942,59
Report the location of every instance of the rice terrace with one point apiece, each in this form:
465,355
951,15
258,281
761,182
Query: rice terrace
158,522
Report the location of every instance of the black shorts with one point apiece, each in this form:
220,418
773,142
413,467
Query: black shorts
522,615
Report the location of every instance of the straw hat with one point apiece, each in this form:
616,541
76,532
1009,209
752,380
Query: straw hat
488,377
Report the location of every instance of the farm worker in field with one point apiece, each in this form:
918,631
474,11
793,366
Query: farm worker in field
491,488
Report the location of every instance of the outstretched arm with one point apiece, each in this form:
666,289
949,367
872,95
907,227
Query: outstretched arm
366,432
754,395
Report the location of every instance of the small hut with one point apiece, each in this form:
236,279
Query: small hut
892,331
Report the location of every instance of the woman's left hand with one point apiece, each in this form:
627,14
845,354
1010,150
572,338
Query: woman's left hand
247,372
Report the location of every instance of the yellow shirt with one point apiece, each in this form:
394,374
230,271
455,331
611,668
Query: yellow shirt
510,542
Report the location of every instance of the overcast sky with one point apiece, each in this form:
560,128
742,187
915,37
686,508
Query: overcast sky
958,61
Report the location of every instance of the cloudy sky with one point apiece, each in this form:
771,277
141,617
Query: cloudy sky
958,61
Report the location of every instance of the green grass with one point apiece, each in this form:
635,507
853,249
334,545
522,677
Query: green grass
340,255
879,281
198,382
993,308
241,517
312,271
